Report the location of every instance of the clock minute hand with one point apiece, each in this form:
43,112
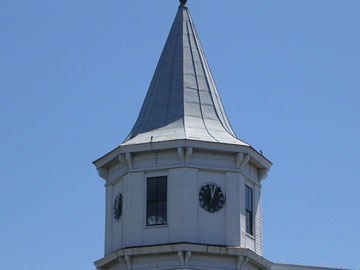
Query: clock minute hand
213,189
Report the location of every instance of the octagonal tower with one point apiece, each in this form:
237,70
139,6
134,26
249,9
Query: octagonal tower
182,189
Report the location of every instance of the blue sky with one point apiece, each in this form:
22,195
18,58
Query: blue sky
73,76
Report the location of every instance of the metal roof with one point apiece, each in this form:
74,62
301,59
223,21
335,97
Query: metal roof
182,101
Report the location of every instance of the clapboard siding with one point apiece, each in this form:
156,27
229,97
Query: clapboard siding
232,236
187,221
191,206
258,221
212,225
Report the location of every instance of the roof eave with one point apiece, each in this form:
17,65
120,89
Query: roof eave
257,159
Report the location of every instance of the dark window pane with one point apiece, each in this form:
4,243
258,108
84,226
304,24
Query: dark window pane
162,189
152,213
249,222
249,199
156,209
162,214
152,189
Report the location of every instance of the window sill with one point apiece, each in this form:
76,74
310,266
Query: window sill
250,236
156,226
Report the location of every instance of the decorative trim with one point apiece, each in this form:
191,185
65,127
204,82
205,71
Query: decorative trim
239,159
263,173
241,261
188,154
181,258
103,173
129,160
181,154
187,257
128,262
184,252
122,160
168,167
245,161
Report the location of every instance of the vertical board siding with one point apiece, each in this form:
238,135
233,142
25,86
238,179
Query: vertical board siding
212,225
258,221
232,232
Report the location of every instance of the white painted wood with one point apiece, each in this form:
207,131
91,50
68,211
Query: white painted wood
117,226
257,220
108,221
137,211
191,205
212,225
250,242
241,190
232,230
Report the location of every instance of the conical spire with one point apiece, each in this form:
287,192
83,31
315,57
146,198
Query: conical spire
182,101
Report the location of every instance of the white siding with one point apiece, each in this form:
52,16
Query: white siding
212,225
216,159
155,159
108,221
242,210
136,219
176,204
232,236
258,222
250,242
191,205
187,221
116,226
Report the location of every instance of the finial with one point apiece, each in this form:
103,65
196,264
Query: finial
183,2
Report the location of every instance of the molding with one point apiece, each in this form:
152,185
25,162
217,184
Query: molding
122,160
191,166
181,258
239,159
188,154
263,173
129,160
184,251
245,161
128,262
181,154
103,173
187,257
259,160
241,261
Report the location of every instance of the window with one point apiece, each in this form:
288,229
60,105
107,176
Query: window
156,204
249,210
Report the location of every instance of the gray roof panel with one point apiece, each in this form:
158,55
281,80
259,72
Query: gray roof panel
182,101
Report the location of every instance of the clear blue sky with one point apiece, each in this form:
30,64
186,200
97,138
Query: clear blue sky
73,75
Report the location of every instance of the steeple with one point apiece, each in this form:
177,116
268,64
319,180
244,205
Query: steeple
182,191
182,101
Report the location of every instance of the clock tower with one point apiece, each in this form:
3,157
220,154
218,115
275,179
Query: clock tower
182,191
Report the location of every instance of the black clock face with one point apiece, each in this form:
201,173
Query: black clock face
118,207
211,197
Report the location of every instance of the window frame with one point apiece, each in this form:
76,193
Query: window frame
249,210
157,201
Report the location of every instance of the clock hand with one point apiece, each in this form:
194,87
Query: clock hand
213,189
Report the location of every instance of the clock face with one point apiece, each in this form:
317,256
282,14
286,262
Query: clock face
211,197
118,207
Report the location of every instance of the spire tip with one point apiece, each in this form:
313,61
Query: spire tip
183,2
